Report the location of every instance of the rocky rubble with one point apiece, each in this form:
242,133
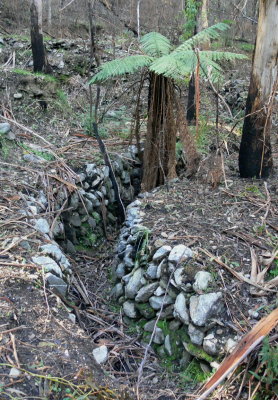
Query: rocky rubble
158,282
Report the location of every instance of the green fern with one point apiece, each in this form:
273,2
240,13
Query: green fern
126,65
155,45
176,64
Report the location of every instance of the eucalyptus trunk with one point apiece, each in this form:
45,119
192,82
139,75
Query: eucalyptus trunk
255,157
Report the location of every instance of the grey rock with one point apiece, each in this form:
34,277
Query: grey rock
179,277
210,344
54,251
149,326
230,345
202,280
90,169
195,334
117,291
167,312
130,310
42,225
58,229
48,264
18,96
70,247
168,346
180,310
134,284
179,254
75,220
158,336
11,136
25,245
157,302
122,246
120,270
72,318
174,325
185,359
93,198
15,373
56,283
32,158
159,291
126,278
151,271
100,354
161,253
146,292
4,128
204,306
160,269
92,222
74,201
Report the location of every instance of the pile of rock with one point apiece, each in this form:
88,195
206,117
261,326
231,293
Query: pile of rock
162,283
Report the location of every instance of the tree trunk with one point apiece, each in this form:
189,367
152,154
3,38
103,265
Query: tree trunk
201,23
160,144
37,36
255,159
49,13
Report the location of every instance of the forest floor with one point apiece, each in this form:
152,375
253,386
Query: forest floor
43,353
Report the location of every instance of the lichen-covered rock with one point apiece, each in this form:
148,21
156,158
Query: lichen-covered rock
158,336
161,253
146,292
54,251
157,302
42,225
202,280
195,334
134,284
56,283
151,271
210,344
130,310
204,306
180,309
48,264
100,354
179,254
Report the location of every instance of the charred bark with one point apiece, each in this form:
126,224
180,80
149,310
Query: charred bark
255,158
38,52
191,105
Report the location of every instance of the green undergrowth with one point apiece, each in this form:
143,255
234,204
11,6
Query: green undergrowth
46,77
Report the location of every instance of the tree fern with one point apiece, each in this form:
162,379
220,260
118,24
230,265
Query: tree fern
155,45
212,32
121,66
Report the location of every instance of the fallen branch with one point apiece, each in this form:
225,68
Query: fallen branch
244,347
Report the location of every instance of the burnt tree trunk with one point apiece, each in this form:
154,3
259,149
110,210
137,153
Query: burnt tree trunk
255,158
160,144
37,36
191,105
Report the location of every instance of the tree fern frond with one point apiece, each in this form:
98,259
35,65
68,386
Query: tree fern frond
155,45
212,32
175,65
219,56
121,66
209,68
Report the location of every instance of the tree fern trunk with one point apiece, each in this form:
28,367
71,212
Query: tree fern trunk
160,145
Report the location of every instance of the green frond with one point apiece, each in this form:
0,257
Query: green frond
209,68
155,45
219,56
175,65
121,66
212,32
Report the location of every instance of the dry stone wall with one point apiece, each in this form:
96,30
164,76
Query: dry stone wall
159,294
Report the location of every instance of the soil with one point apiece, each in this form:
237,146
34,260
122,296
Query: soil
231,219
